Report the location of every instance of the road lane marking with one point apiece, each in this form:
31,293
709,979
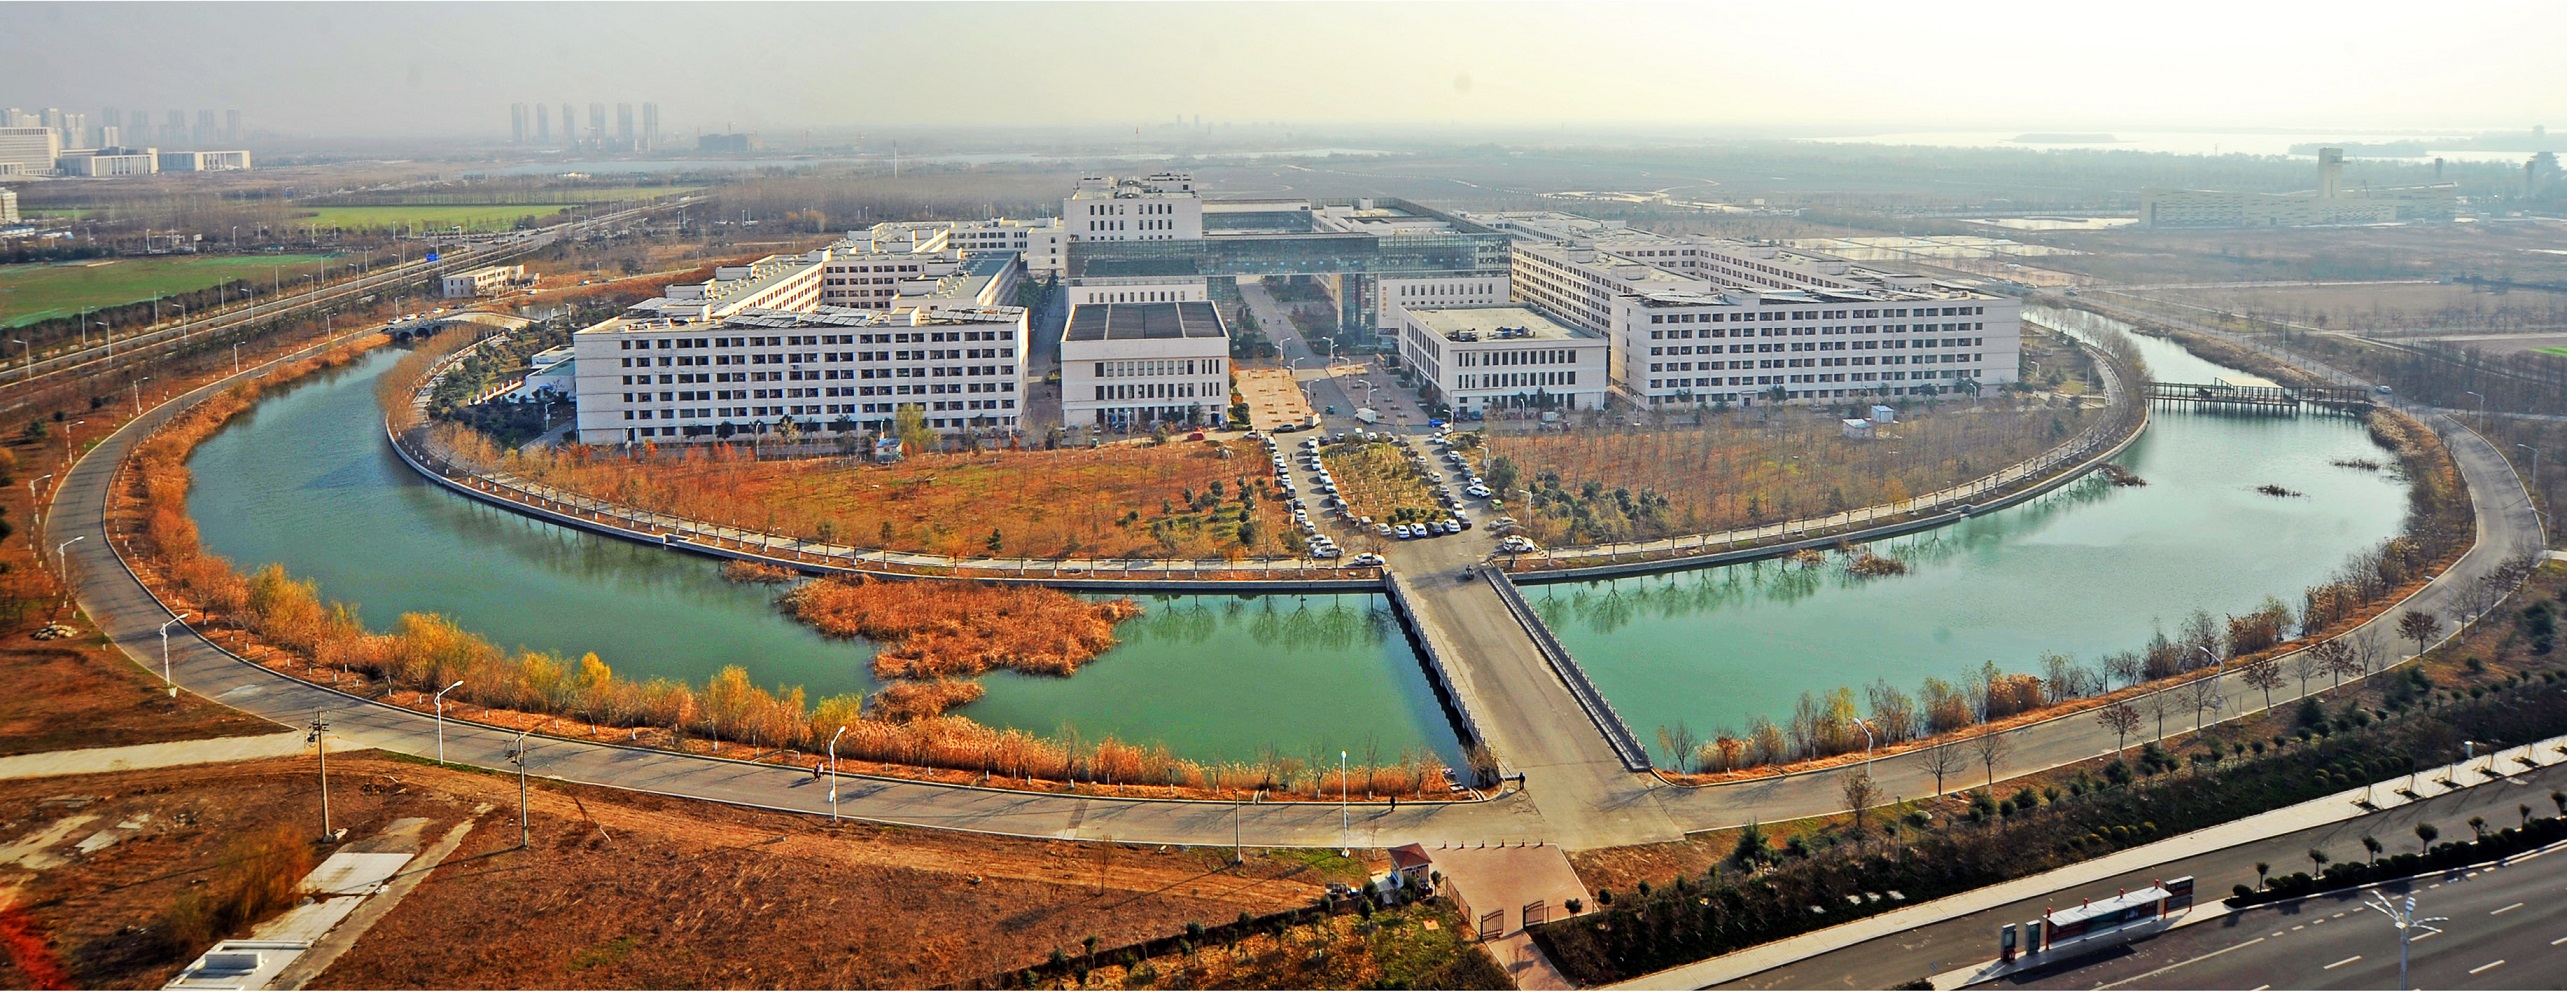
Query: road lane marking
2489,966
2299,928
2508,909
2425,936
2342,963
2186,961
2561,940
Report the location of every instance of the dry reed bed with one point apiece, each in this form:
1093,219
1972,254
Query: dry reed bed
936,635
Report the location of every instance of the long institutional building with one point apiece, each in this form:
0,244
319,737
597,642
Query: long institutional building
1501,310
836,339
1697,320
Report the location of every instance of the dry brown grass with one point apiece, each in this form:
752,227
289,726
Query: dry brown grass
934,635
1747,468
1126,500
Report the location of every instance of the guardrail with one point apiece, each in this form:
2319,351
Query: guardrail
1436,653
1616,732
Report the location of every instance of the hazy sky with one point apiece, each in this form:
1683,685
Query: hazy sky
442,69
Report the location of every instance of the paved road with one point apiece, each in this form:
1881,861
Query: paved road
1965,940
2504,932
167,754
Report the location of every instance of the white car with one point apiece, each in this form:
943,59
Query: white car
1517,544
1367,559
1478,492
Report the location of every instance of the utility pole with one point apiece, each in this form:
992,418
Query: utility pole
318,738
517,754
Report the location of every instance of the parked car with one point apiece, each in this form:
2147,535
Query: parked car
1366,560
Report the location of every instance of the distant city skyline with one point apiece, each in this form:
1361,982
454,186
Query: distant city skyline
401,70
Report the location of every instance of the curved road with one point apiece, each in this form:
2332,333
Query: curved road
1591,803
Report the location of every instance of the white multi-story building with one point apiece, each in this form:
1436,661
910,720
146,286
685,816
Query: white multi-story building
875,279
1745,346
1140,289
230,161
643,377
1161,206
8,205
29,151
485,280
776,282
1604,277
1439,291
106,162
1481,358
1040,244
1128,366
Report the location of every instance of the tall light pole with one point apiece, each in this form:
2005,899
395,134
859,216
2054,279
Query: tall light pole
1868,742
517,754
1345,812
138,394
60,563
34,508
2482,403
28,352
833,773
440,700
319,739
2403,917
164,655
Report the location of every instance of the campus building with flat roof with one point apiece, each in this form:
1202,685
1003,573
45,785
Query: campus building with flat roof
1132,366
1480,359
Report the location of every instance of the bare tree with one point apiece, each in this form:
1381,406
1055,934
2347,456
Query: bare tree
2262,673
2127,666
2418,626
2367,649
1939,759
2316,661
2343,662
1860,796
2121,720
1678,742
2160,705
2203,694
1991,746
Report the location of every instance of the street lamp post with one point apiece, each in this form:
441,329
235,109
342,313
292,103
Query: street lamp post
440,700
2482,403
138,394
164,655
1868,742
2403,917
59,562
517,754
1345,813
34,509
833,772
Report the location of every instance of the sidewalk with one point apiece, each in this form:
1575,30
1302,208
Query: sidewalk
172,754
2318,812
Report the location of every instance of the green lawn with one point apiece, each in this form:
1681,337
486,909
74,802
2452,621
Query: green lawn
472,217
2551,350
29,293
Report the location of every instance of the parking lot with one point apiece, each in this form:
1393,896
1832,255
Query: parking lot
1329,529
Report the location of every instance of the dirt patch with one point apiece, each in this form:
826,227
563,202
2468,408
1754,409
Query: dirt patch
81,693
638,891
618,890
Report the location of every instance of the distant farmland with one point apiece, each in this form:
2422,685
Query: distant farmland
29,293
471,217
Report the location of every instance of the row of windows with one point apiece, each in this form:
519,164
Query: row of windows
796,340
708,430
1143,367
1891,344
1508,380
1695,382
694,413
1520,356
1688,333
1679,384
1802,363
1157,390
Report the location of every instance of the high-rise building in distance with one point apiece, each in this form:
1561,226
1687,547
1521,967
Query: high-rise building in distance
232,126
597,125
650,127
570,125
516,123
543,123
173,127
623,127
138,125
205,131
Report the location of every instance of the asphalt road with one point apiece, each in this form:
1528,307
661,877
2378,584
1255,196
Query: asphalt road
2503,932
1962,941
